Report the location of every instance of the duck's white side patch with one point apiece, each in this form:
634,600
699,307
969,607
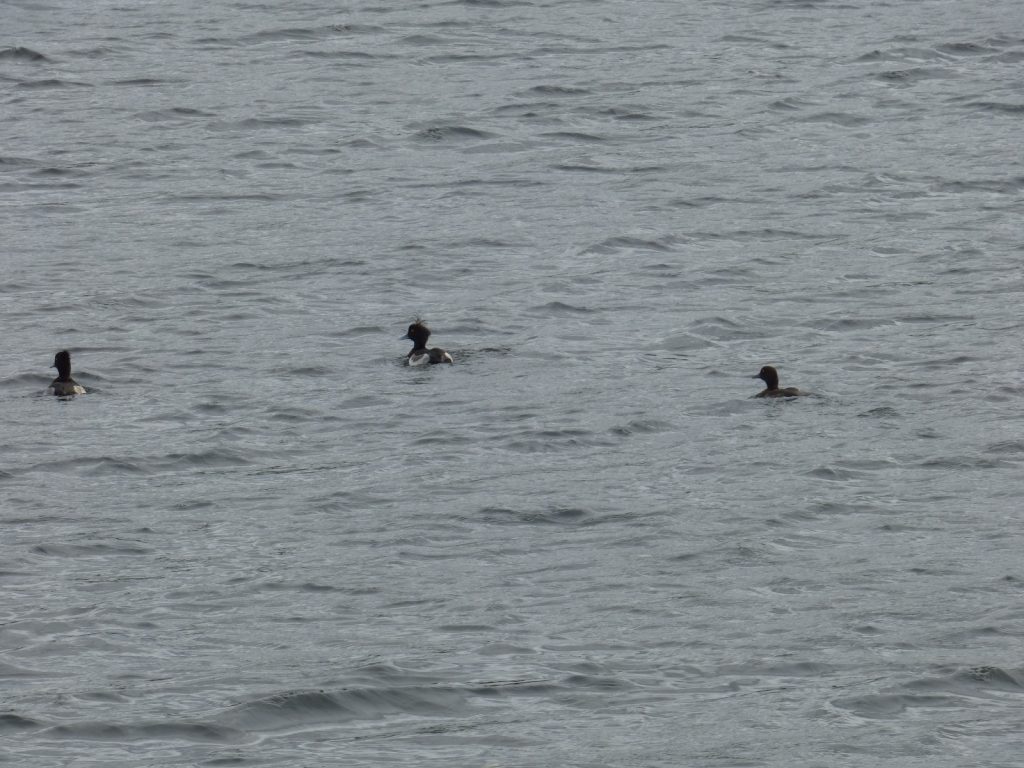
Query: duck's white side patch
77,389
418,360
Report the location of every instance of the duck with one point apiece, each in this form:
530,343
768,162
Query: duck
770,377
64,385
418,333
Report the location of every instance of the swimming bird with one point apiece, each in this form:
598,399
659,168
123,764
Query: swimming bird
64,384
771,379
419,354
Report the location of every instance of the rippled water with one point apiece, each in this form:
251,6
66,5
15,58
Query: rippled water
260,540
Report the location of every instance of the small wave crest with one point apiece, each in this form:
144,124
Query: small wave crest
450,134
292,709
20,53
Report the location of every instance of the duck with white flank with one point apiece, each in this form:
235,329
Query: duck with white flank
418,333
64,385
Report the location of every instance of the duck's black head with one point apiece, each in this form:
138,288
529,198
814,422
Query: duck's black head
419,333
62,362
769,376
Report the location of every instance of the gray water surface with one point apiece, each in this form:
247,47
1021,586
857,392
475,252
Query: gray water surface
260,540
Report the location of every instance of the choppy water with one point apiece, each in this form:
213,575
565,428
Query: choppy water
259,540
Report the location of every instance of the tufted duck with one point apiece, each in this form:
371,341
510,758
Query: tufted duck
419,354
64,384
771,379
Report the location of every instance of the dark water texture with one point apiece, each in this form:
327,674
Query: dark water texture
261,541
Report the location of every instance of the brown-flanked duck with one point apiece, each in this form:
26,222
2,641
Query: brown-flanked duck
770,377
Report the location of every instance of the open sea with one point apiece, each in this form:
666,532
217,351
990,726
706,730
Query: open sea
261,540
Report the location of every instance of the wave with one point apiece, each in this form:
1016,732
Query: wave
450,134
291,709
20,53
